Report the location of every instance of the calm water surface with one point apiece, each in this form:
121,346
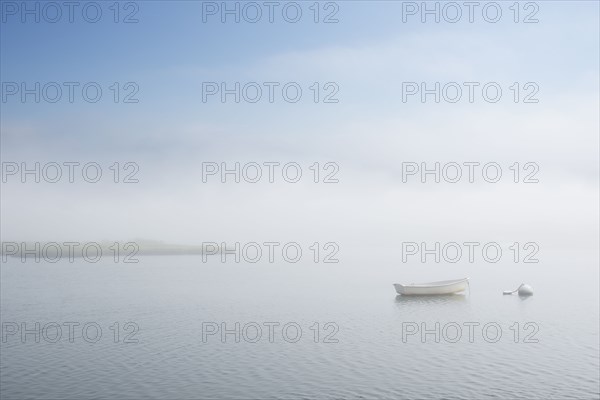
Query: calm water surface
356,350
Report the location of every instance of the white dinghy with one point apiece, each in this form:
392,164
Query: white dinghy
433,288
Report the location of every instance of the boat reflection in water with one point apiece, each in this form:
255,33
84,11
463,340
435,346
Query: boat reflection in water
431,299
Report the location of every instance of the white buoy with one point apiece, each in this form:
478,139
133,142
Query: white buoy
524,290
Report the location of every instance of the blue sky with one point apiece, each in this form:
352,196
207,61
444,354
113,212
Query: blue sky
369,132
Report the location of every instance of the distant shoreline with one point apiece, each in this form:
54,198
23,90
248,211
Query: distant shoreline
77,249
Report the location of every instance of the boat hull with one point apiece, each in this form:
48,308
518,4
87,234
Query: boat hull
432,288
